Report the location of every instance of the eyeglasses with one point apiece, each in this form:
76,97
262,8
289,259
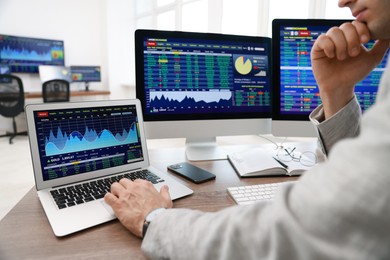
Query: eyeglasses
306,158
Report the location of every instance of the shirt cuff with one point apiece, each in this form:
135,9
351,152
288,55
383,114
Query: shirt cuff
345,123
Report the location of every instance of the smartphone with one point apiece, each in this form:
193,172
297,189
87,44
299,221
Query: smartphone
191,172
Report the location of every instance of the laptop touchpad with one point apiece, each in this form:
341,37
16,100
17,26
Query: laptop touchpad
108,208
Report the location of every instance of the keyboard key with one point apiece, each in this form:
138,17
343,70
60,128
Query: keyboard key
61,206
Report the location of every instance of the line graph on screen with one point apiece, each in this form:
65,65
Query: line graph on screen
61,141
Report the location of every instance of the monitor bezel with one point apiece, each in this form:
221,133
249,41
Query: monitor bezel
275,97
140,34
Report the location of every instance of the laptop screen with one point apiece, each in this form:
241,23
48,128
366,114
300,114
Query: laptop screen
80,140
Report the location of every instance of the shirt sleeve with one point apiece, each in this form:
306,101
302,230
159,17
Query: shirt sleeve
344,124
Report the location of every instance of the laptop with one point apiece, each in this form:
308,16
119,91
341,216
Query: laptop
78,149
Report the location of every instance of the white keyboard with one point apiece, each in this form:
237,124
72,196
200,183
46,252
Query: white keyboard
244,195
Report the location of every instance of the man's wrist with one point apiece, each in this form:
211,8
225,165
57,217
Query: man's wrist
332,105
149,218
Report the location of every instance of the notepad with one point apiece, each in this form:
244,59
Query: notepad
262,162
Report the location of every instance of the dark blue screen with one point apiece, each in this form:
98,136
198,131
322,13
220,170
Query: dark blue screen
190,76
75,141
299,92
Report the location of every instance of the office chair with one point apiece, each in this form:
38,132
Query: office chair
56,90
11,100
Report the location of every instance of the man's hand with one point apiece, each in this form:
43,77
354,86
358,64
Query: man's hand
133,200
340,61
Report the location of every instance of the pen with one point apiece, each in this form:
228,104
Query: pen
281,163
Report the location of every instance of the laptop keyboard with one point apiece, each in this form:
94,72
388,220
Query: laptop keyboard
89,191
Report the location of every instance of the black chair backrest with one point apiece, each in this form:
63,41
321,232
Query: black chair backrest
11,95
56,90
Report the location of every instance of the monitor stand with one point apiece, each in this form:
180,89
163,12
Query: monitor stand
86,86
204,150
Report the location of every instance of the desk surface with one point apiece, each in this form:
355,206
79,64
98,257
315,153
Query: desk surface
38,94
26,233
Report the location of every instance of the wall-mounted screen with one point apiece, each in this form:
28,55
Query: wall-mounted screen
24,55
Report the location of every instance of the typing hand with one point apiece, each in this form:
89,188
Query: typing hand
133,200
340,60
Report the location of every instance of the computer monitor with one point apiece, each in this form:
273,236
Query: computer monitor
85,74
47,73
296,92
25,54
202,85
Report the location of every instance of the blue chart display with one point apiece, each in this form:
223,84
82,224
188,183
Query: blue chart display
299,92
204,76
75,141
25,54
185,99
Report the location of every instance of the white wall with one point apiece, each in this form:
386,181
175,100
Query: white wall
81,24
120,49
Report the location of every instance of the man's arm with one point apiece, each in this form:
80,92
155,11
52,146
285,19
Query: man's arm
337,210
339,62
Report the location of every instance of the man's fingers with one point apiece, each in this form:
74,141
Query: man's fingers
323,45
110,199
338,38
362,31
164,191
125,182
352,39
342,42
117,188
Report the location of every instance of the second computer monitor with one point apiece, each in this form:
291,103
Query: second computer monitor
202,85
295,91
86,74
47,72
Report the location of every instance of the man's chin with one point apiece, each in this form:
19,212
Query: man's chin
378,32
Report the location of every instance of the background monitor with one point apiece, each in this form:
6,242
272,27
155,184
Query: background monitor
4,69
47,73
25,54
296,92
85,74
201,85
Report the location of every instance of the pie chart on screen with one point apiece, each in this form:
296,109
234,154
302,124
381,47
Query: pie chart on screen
243,65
